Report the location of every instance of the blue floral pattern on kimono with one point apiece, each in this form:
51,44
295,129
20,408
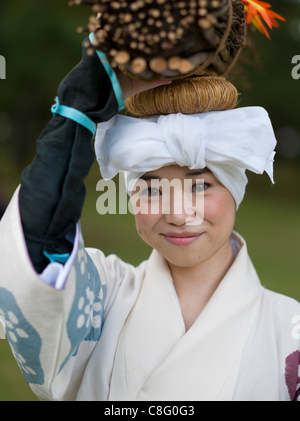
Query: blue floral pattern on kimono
86,316
24,340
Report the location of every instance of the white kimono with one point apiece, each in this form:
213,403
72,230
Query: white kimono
101,329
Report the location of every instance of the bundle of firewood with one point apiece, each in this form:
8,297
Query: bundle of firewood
167,38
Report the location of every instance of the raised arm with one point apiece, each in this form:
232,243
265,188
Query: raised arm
52,189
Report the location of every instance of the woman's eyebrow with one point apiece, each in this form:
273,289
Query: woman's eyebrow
197,172
150,177
147,177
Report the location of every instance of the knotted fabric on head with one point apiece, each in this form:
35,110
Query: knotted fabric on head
226,142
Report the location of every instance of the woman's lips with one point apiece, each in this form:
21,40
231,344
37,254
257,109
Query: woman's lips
182,241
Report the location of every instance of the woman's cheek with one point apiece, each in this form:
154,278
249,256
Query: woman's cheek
144,223
219,207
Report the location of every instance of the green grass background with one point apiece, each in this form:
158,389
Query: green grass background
268,219
40,44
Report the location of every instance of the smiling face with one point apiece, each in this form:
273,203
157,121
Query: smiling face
173,234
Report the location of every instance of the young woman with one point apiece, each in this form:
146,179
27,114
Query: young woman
191,323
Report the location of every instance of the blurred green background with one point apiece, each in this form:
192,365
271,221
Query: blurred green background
40,44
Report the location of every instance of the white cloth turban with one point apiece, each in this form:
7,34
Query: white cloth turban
226,142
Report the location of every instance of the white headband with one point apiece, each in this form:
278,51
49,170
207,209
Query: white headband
226,142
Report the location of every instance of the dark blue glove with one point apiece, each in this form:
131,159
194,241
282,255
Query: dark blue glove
52,189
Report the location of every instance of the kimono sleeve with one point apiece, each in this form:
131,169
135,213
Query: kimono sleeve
52,333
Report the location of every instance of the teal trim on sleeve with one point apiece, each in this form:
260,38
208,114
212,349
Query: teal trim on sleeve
113,77
59,258
74,115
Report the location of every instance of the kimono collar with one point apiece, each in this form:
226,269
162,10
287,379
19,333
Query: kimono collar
157,359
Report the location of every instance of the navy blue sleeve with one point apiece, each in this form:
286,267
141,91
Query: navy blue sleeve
52,190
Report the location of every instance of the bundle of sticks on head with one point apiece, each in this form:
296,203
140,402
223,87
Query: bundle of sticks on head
168,38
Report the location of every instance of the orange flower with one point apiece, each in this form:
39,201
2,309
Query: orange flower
259,11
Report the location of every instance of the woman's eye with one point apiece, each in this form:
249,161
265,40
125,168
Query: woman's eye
200,187
153,192
150,192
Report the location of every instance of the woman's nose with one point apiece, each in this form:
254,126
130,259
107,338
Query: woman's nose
176,212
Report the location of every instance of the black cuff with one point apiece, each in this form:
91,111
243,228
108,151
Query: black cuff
52,189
